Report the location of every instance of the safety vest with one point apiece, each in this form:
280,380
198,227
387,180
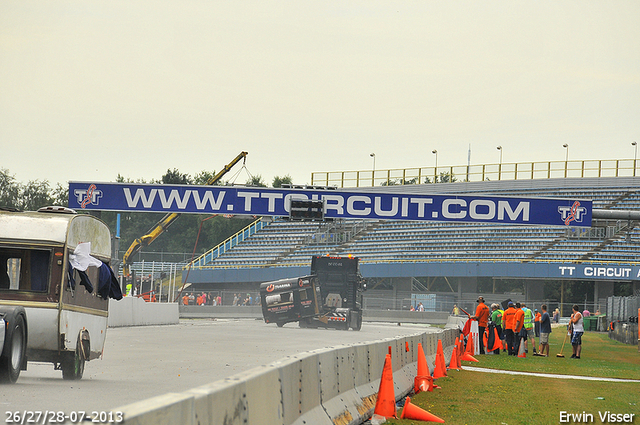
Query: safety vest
496,316
528,318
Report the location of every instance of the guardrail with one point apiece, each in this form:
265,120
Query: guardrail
227,244
483,172
327,386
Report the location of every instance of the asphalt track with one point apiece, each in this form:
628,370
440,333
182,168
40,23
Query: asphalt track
146,361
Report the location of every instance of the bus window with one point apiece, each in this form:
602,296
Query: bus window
24,270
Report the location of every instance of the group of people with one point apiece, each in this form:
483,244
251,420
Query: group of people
240,300
518,325
418,307
203,299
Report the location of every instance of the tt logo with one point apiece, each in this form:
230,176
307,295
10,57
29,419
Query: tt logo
91,196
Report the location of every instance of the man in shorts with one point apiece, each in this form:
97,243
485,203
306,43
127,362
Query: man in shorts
545,330
578,329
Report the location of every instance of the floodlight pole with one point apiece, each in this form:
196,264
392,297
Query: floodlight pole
373,172
435,169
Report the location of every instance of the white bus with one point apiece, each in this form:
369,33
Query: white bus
55,284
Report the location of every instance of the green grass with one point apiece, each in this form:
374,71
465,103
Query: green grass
600,357
468,397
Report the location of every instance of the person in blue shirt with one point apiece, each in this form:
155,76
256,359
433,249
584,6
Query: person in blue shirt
545,330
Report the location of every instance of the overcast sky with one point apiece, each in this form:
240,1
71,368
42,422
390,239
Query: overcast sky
93,89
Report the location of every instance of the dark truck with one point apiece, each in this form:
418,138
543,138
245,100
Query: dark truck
330,297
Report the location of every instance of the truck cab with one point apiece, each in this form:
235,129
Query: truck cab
330,297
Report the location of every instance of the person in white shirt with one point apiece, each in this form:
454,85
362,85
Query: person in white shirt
577,322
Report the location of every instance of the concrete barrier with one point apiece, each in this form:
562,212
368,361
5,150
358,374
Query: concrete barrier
404,316
220,311
237,312
330,386
133,311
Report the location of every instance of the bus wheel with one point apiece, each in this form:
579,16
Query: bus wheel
14,352
73,365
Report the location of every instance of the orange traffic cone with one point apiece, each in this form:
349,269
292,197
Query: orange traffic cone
423,367
386,402
423,383
440,369
469,358
470,345
521,352
453,362
468,354
410,411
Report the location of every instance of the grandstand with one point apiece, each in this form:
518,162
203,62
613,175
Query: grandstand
285,243
406,253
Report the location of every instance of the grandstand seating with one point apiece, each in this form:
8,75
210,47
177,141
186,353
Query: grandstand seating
284,243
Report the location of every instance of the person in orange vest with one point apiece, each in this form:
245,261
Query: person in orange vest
508,321
517,327
185,300
482,316
536,321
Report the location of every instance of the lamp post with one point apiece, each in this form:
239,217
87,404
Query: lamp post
373,172
435,169
566,159
635,156
500,163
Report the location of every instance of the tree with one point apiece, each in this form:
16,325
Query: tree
256,181
396,182
203,177
175,177
279,181
9,189
30,196
61,195
444,177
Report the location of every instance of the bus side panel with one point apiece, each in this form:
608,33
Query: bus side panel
43,328
72,322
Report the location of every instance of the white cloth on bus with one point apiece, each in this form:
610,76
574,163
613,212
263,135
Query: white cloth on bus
81,258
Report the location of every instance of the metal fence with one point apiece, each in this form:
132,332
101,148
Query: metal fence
622,308
483,172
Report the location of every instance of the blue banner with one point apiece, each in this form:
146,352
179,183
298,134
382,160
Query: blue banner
598,272
257,201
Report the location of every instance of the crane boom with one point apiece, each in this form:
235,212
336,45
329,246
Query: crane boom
162,225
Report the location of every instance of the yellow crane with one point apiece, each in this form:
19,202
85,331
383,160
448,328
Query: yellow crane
167,220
